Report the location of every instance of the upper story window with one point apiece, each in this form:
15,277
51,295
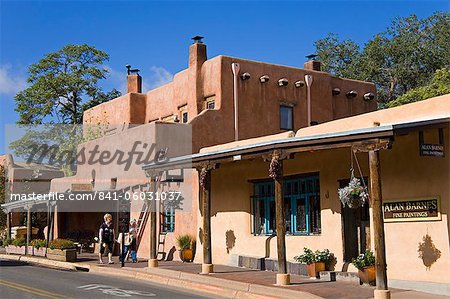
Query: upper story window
183,114
210,102
286,117
301,206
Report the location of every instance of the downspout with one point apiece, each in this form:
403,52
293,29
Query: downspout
309,81
235,67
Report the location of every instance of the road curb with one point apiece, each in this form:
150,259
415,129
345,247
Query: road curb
190,281
40,262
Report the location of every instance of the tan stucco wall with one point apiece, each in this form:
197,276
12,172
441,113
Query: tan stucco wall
404,175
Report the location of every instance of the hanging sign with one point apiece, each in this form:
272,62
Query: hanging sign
423,209
433,150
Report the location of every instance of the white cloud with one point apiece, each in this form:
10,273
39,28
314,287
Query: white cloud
10,83
158,76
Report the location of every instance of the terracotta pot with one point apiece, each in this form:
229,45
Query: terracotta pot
187,255
367,275
314,269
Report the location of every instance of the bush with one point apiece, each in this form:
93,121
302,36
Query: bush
19,242
309,257
7,242
38,243
61,244
185,241
364,260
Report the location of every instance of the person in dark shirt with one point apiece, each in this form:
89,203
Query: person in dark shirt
106,238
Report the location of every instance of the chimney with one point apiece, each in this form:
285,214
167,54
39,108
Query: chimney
197,51
134,80
312,63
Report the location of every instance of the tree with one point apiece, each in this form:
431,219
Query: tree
63,83
2,195
403,57
440,85
339,58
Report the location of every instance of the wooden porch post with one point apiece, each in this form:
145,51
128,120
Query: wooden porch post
376,202
378,225
205,197
28,229
8,225
153,260
276,172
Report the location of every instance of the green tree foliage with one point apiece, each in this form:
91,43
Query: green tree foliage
62,84
403,57
439,85
2,195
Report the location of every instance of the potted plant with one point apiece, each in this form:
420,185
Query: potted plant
39,247
185,244
365,263
62,250
354,195
315,261
16,246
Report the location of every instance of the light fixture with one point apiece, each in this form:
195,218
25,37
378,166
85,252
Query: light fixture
336,91
264,79
369,96
351,94
299,83
245,76
283,82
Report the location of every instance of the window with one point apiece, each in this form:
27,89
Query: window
168,118
183,114
301,206
286,114
113,183
168,220
210,102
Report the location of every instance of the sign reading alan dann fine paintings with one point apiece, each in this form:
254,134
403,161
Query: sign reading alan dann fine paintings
423,209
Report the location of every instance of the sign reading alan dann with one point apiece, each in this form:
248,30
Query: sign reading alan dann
423,209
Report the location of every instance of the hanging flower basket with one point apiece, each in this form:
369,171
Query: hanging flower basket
354,195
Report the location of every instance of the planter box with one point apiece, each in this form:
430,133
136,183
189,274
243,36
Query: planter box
39,252
315,268
367,275
11,249
65,255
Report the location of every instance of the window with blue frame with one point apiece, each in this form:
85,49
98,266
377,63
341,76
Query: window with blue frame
301,206
168,220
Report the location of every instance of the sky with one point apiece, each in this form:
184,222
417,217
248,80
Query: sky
154,36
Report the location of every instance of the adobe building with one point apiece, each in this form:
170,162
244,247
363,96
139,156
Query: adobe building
220,100
401,152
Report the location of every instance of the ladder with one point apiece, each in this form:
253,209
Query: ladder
143,217
161,238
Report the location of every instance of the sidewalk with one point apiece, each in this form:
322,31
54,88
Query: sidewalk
232,282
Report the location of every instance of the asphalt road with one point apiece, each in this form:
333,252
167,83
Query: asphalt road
19,280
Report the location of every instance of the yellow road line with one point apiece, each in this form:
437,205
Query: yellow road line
29,289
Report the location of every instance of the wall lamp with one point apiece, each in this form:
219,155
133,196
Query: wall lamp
283,82
369,96
336,91
299,83
351,94
245,76
264,79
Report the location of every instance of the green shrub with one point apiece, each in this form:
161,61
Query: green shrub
38,243
61,244
185,241
364,260
7,242
19,242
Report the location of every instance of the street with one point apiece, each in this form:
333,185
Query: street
19,280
